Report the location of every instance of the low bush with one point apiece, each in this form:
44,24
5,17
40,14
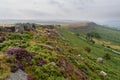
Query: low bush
21,58
18,36
107,56
2,39
87,49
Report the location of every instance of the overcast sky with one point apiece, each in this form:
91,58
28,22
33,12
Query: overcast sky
60,9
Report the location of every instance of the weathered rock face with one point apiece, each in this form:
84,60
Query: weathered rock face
19,28
7,29
18,75
28,27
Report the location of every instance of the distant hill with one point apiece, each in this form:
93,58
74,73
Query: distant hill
106,33
83,26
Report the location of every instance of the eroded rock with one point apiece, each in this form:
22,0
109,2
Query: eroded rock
18,75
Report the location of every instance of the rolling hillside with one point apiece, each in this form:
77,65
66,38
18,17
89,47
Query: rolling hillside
110,35
56,52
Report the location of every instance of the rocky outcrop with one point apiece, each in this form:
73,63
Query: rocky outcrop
18,75
24,27
7,29
21,27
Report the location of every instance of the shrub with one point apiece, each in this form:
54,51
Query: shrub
21,58
17,52
15,67
107,56
18,36
108,46
92,41
41,62
4,71
20,54
2,39
30,78
87,49
46,71
93,34
77,34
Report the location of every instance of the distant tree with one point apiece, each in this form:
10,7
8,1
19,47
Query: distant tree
92,34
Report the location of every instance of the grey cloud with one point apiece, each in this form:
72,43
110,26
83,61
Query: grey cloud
68,5
69,2
65,9
35,12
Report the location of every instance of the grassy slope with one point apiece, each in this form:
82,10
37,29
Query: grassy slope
109,37
110,66
108,34
58,64
72,46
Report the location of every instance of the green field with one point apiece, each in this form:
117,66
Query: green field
109,34
111,66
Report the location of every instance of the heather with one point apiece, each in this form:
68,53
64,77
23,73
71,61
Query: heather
56,53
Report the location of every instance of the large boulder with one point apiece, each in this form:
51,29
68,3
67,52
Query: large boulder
19,28
18,75
28,26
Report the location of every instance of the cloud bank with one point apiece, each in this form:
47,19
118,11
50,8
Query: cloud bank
60,9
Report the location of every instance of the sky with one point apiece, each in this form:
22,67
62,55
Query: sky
91,10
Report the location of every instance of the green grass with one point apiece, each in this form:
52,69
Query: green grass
109,34
70,46
110,66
